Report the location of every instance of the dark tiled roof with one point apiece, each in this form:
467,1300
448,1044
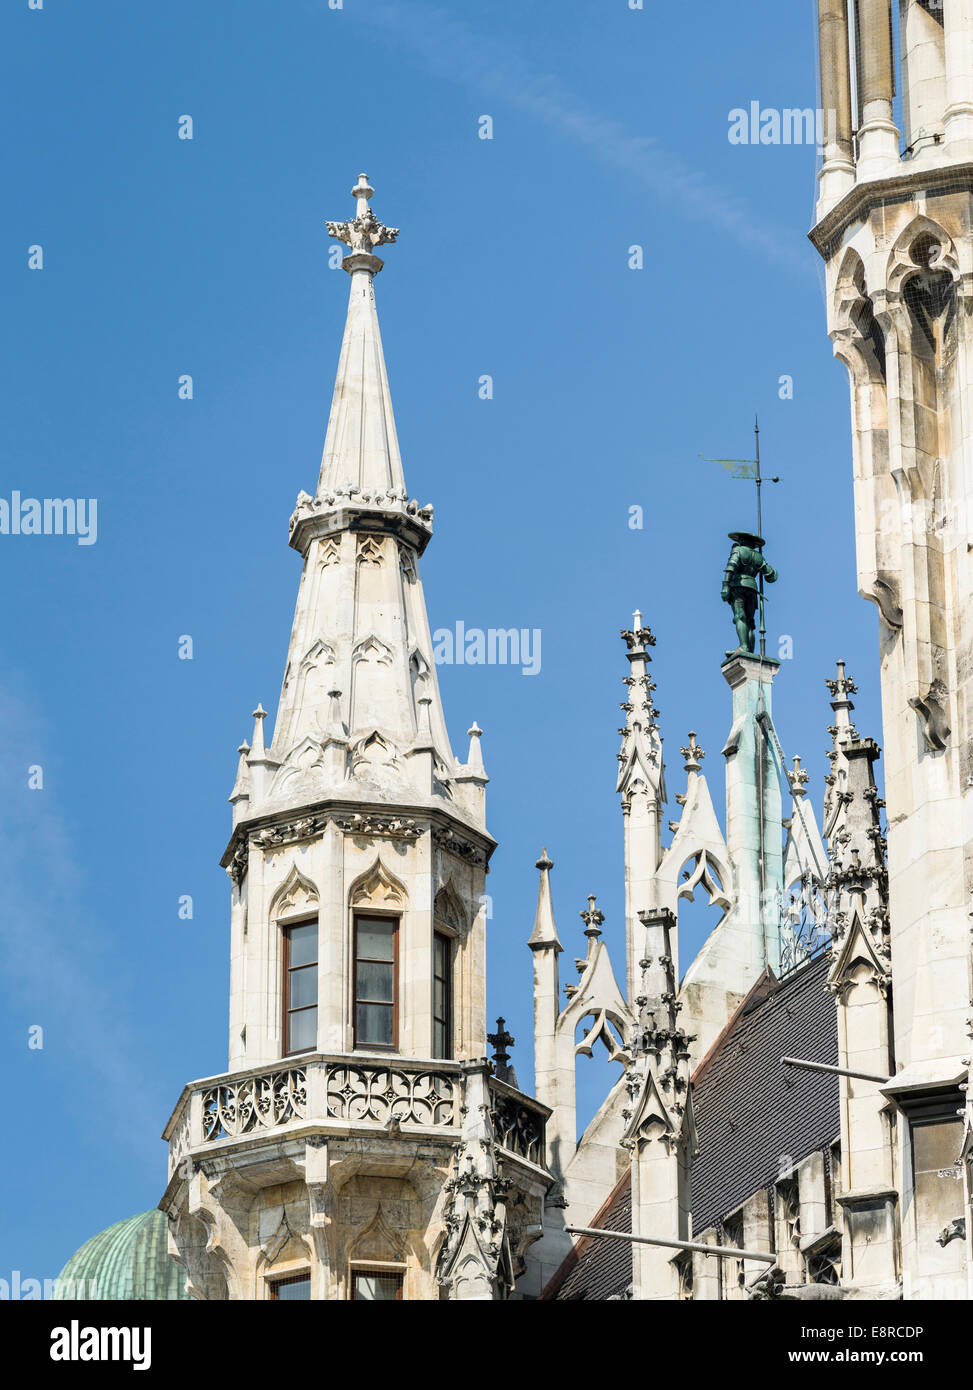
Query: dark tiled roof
750,1111
597,1268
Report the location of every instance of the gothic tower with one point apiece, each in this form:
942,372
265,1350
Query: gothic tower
359,1146
895,228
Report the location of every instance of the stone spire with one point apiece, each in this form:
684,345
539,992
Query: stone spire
660,1131
642,787
857,878
841,731
360,714
361,452
860,978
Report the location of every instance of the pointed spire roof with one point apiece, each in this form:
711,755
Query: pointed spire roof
361,450
545,931
360,706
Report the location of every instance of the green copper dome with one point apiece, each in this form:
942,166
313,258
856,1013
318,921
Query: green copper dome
128,1260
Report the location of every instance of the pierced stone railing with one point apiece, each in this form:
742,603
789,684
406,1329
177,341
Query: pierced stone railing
336,1092
382,1094
345,1093
233,1108
519,1123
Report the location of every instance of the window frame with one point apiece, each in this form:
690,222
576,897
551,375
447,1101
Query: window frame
298,1277
396,919
377,1272
448,942
285,990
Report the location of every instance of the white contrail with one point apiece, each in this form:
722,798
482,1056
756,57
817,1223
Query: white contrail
454,50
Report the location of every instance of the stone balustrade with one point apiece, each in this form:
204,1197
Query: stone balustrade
346,1093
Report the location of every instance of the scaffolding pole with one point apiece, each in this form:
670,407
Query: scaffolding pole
695,1246
833,1071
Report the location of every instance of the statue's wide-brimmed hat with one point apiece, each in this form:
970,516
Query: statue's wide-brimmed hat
746,538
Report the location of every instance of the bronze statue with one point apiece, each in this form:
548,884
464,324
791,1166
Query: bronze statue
740,588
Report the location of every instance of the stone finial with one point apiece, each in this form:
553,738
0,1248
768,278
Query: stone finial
545,930
475,759
638,637
501,1040
842,684
241,787
693,754
364,232
259,715
592,919
841,688
797,779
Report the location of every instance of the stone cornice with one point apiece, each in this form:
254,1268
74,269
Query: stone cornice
382,821
318,518
854,206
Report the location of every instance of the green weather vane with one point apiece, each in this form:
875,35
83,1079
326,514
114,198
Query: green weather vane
743,581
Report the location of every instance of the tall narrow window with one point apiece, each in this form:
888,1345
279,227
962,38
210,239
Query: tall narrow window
376,1285
300,987
442,996
376,982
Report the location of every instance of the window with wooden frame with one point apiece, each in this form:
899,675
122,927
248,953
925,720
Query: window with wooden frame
442,995
376,982
291,1288
300,991
376,1285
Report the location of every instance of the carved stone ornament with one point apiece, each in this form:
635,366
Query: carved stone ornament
289,832
453,843
390,827
931,710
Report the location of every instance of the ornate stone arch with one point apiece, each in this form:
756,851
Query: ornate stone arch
709,873
858,334
377,887
283,1252
296,896
448,912
378,1243
922,244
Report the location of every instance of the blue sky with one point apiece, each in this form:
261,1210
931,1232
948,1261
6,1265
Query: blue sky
210,257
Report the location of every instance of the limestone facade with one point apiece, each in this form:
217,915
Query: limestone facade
359,1130
894,229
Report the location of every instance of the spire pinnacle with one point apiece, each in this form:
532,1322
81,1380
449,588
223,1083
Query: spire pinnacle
475,759
592,919
640,756
693,754
241,787
545,932
797,779
259,715
361,462
841,688
364,232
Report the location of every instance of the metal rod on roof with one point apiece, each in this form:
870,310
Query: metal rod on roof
835,1071
676,1244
